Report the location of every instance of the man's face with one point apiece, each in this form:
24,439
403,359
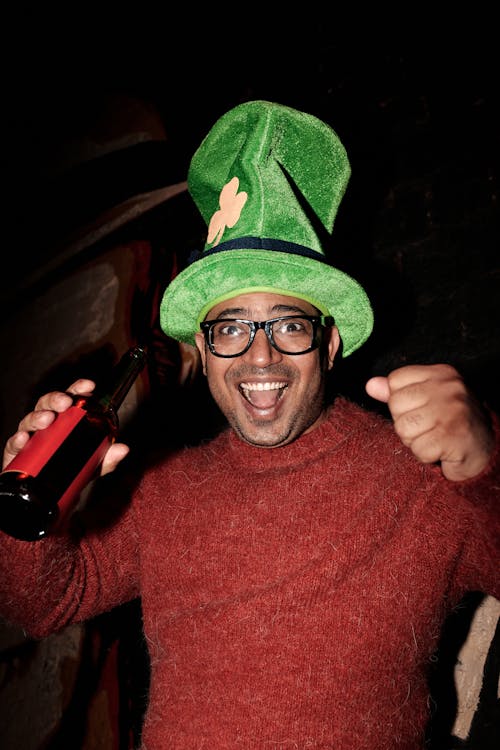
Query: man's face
267,397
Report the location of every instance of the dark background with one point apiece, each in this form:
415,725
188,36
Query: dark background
415,102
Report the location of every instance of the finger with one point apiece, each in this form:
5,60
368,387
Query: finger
115,454
81,386
13,445
44,413
35,420
442,398
434,391
409,375
412,400
59,400
405,388
378,388
426,447
412,424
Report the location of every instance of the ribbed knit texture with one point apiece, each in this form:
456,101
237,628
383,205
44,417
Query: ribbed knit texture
292,597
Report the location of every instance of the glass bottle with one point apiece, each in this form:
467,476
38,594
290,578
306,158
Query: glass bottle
41,485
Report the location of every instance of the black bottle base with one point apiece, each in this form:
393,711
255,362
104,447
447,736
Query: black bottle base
27,520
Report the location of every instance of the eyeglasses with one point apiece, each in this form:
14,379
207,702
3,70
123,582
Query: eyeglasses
293,334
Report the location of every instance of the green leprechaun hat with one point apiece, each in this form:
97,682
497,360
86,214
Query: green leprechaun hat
268,181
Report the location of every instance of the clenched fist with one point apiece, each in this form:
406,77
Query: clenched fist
437,417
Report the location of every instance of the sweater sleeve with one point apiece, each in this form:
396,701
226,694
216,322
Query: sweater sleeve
484,489
478,562
48,584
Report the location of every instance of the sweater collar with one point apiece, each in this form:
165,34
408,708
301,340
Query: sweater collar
306,448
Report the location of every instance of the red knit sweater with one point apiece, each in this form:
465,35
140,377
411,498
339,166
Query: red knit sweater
292,597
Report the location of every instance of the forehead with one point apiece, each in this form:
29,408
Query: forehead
263,304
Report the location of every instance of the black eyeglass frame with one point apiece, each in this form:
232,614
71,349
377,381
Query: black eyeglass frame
266,325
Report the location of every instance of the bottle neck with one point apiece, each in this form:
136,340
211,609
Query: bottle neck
112,394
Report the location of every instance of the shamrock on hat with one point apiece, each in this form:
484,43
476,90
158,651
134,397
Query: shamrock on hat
268,180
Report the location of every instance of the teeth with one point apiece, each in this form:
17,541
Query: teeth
262,386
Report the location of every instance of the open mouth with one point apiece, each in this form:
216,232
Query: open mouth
263,395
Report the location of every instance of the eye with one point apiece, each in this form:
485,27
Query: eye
291,326
230,329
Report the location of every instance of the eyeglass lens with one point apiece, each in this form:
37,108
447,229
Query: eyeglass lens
292,335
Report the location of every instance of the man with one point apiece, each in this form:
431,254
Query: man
295,571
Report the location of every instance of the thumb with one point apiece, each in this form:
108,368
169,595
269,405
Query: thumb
115,454
378,388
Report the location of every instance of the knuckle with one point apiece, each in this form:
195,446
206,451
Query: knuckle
427,449
446,370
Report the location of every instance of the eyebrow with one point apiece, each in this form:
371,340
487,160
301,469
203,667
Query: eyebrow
276,310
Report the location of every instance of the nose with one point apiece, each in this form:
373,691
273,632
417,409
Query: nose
261,352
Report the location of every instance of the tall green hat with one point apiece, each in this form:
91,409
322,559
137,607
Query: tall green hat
268,181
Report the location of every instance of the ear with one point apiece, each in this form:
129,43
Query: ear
199,339
332,344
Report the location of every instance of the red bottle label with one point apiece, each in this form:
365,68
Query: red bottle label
44,443
82,479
